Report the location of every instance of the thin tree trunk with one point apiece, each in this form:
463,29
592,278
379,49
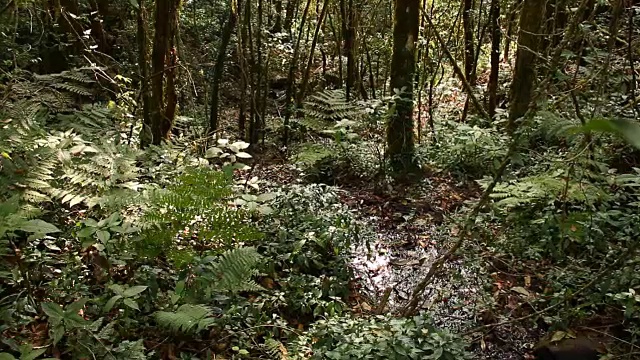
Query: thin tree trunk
531,19
288,17
166,10
258,121
400,137
468,41
219,67
291,78
349,45
143,66
492,87
307,72
277,25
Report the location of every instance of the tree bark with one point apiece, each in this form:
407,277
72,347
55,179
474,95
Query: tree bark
400,137
289,12
531,19
219,67
166,11
307,72
143,66
492,87
468,41
291,78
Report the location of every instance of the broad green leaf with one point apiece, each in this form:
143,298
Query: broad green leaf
6,356
53,311
134,290
109,305
57,333
118,289
76,306
33,354
86,232
630,130
103,236
130,303
38,226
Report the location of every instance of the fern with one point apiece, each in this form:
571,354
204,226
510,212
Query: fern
233,271
543,188
197,201
187,319
331,105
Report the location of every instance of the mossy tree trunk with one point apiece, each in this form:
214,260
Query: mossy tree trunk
531,18
400,137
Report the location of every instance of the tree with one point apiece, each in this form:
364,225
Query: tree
524,76
400,142
163,65
219,66
492,87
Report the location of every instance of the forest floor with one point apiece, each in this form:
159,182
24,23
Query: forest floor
411,226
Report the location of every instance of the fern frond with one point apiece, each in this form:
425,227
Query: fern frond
187,319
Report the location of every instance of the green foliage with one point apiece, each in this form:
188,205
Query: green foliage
231,272
187,319
377,337
331,105
467,151
195,206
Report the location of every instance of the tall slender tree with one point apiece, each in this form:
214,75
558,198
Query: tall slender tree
492,87
400,137
166,15
219,65
531,18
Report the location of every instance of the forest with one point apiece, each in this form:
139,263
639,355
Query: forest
319,179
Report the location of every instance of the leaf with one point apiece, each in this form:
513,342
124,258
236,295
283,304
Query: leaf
75,307
130,303
103,236
58,333
134,4
630,130
520,290
243,155
38,226
213,152
53,311
266,197
109,305
118,289
86,232
6,356
134,290
558,336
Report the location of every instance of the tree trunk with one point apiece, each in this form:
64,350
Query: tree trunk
291,78
307,72
492,87
166,11
349,46
288,17
531,19
468,41
277,24
400,141
219,67
143,66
